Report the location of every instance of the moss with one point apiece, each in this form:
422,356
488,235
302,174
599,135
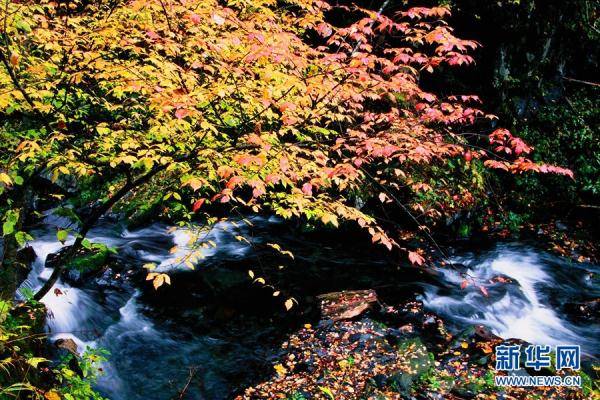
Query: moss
90,262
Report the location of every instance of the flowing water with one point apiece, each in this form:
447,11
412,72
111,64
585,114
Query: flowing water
147,361
152,360
529,305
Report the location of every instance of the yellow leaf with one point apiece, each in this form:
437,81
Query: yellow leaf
288,253
34,361
194,183
275,246
240,238
330,219
158,281
4,178
52,395
289,303
280,369
151,276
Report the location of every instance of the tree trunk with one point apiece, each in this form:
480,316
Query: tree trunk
10,264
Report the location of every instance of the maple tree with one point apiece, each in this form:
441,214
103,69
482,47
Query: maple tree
246,105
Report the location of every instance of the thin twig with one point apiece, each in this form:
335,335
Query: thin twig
193,371
581,81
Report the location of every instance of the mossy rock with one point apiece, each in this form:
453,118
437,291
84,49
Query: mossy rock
418,361
87,263
90,262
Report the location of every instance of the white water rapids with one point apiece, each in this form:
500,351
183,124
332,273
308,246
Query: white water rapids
147,361
523,307
114,321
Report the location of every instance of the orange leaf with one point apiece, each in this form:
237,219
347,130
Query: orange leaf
197,204
52,395
14,59
307,189
182,113
415,258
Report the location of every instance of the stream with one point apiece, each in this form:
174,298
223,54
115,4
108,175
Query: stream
151,358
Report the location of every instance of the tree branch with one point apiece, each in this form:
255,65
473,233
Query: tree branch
89,223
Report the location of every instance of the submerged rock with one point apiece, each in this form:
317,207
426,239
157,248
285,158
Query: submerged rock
585,311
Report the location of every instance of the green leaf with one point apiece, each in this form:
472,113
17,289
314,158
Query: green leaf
22,238
8,228
62,235
327,391
23,25
18,180
34,361
67,213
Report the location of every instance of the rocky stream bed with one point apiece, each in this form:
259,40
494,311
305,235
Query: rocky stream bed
363,328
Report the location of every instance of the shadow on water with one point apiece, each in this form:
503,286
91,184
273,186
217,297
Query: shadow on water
214,332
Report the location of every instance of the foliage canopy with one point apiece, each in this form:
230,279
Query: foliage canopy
250,105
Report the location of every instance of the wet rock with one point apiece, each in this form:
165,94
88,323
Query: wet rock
67,344
26,255
484,333
587,311
86,265
340,306
561,226
73,277
419,361
107,279
476,333
25,258
363,357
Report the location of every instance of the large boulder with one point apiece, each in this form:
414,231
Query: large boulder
346,305
84,266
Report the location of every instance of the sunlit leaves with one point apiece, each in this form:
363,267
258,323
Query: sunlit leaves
14,59
289,303
280,369
5,179
62,235
158,279
11,218
197,204
280,250
331,219
231,108
35,361
415,258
